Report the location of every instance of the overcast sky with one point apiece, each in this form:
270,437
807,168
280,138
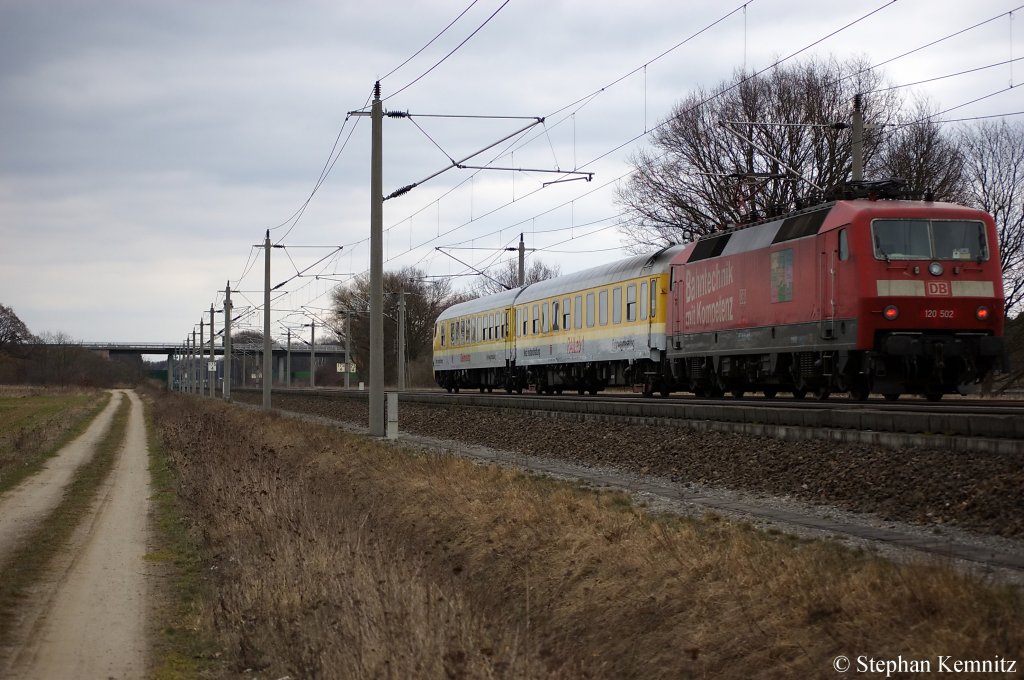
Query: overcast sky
146,146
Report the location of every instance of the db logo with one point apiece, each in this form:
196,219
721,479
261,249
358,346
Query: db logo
937,288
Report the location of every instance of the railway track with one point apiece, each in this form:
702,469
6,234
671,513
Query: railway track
962,425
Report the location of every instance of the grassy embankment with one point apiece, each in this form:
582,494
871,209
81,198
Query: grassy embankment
29,560
36,422
182,650
330,555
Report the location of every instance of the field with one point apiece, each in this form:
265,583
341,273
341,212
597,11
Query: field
323,554
35,422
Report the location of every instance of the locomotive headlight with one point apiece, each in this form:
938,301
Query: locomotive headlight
891,313
982,313
935,269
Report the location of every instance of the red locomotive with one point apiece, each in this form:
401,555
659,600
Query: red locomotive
861,296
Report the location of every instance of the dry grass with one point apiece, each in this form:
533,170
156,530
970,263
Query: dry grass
36,422
334,556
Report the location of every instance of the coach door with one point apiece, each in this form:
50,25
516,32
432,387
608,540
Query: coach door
509,327
650,303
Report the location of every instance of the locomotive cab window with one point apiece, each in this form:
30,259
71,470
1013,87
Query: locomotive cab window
929,240
844,246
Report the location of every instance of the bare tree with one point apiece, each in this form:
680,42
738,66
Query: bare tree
916,150
699,177
994,173
424,301
506,276
13,331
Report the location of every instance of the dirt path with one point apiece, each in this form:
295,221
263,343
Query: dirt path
90,621
24,506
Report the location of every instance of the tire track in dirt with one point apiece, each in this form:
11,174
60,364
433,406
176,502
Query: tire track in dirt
24,506
92,621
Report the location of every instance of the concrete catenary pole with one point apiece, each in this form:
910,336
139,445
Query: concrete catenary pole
522,262
213,359
312,354
268,375
401,340
858,139
348,347
377,423
227,342
202,358
288,363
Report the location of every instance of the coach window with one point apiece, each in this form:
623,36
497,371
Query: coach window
536,319
577,312
643,297
617,305
440,329
602,308
844,247
565,314
525,319
654,298
631,302
554,315
545,318
590,310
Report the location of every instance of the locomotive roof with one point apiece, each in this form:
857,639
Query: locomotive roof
620,270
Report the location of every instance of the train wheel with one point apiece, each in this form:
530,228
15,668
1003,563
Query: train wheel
891,396
738,394
665,391
822,393
799,392
770,392
933,396
508,390
593,393
456,388
449,388
860,393
482,389
580,391
490,389
519,390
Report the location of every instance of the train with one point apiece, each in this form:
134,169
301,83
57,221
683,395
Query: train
859,295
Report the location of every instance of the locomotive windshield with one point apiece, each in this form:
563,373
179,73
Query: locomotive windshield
929,240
